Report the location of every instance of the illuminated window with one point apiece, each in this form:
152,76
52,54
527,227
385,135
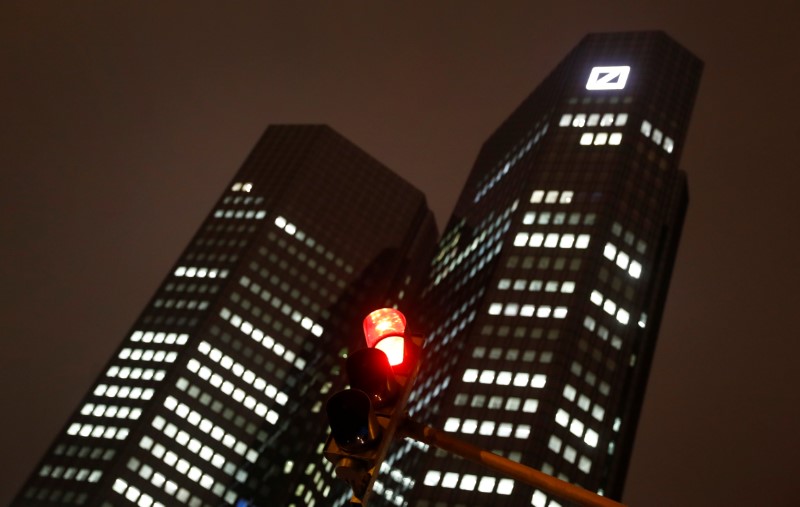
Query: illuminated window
503,378
576,428
579,121
487,428
119,486
512,404
536,240
586,138
657,136
530,405
554,444
565,120
591,437
432,478
622,260
468,482
487,377
598,412
505,486
522,431
585,464
615,139
450,480
610,251
621,120
647,128
669,144
486,485
469,426
544,218
635,269
601,138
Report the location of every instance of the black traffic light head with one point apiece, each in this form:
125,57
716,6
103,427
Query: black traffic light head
381,377
353,423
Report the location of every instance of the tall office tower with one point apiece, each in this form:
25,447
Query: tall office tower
215,395
546,294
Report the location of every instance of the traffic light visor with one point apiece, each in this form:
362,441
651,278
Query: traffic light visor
382,323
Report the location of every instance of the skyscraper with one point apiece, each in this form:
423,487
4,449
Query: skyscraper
215,395
546,294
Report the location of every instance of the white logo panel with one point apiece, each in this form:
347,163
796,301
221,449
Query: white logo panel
608,78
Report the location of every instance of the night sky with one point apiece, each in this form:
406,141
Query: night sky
122,122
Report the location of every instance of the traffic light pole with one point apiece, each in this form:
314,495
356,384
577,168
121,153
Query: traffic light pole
522,473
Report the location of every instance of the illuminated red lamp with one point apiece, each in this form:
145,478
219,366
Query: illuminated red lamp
384,330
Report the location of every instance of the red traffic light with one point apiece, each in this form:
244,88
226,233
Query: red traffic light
365,418
384,330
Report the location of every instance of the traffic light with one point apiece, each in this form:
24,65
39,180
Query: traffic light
364,418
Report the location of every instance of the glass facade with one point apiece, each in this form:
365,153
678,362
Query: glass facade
545,296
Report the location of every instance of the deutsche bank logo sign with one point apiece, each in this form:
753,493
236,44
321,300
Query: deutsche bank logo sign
608,78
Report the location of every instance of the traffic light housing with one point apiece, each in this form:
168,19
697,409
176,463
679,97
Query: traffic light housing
364,418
